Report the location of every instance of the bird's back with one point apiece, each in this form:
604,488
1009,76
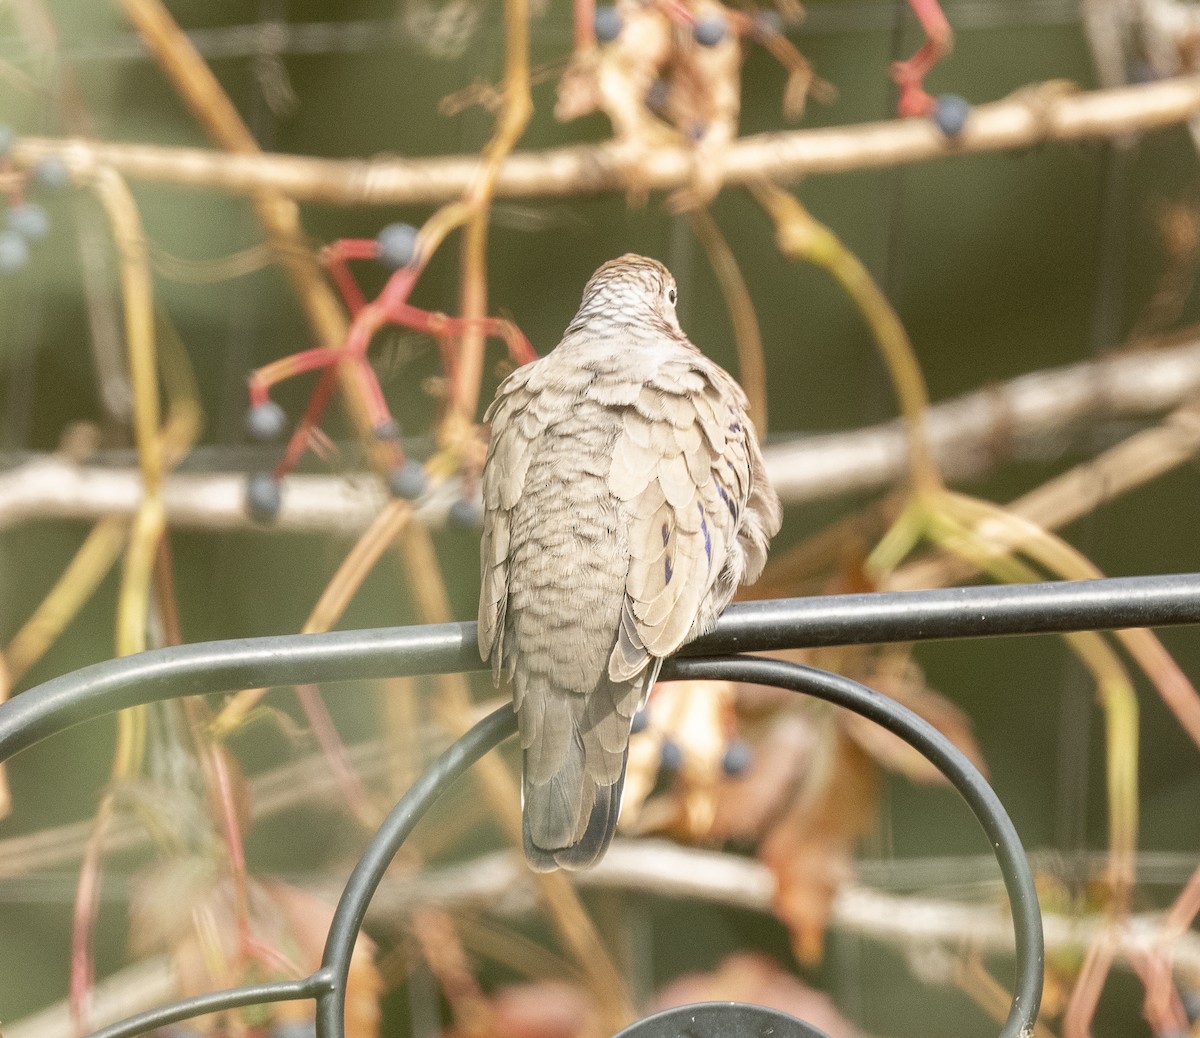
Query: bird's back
624,500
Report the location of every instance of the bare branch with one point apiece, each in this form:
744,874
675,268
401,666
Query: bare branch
1046,112
499,883
54,487
495,882
1029,417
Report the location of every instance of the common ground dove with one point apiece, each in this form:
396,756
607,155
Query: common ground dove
624,501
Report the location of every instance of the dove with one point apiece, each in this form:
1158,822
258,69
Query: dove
625,499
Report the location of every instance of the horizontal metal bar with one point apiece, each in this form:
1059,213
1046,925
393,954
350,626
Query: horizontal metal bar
1107,604
969,612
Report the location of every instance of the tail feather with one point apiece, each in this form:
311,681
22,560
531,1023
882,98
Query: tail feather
590,847
576,749
556,809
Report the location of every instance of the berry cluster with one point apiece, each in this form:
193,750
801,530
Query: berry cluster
397,247
736,759
707,30
25,222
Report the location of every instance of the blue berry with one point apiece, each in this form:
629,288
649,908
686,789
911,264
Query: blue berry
29,220
608,24
265,421
52,172
640,722
670,757
658,95
397,244
387,430
6,138
465,513
738,758
264,495
14,252
407,480
709,30
950,114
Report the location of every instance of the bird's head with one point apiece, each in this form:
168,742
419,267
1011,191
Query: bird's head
631,290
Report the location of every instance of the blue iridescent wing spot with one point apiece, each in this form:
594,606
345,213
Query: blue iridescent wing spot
729,502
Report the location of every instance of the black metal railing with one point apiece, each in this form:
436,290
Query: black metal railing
758,626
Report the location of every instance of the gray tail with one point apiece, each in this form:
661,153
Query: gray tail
602,824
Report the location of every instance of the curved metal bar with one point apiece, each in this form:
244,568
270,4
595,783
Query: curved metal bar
980,797
949,760
186,1008
847,619
360,888
745,627
328,984
224,666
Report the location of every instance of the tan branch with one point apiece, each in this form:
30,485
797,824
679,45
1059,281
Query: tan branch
53,487
1030,417
499,883
1029,117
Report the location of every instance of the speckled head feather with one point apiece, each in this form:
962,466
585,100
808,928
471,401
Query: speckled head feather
631,291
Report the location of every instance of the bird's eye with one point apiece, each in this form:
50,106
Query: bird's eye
671,296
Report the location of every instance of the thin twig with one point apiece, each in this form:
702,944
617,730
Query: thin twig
752,365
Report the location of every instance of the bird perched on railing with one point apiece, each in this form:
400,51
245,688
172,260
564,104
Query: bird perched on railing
624,501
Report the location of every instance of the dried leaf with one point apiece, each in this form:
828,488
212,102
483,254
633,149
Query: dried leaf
810,849
748,803
697,716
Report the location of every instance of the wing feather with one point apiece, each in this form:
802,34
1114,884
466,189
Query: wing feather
698,510
510,451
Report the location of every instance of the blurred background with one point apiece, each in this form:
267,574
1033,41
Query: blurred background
998,264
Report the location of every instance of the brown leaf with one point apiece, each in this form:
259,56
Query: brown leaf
747,803
697,716
810,849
